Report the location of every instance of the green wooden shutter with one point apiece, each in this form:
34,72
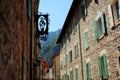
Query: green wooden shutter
86,40
71,75
70,56
86,34
103,22
76,72
65,60
100,66
96,30
76,49
110,14
105,66
87,75
88,71
85,8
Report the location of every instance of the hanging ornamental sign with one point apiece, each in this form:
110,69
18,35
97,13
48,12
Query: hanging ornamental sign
42,23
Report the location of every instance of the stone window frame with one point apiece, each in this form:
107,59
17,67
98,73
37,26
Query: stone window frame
89,62
84,9
102,53
114,14
86,40
100,25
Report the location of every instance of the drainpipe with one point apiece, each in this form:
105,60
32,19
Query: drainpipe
80,51
31,43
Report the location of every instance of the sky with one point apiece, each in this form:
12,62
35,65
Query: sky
57,10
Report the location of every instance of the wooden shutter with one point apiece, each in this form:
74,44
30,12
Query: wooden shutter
71,75
76,72
100,66
105,66
110,13
85,8
103,22
87,74
86,40
70,56
76,49
29,6
88,71
87,44
96,30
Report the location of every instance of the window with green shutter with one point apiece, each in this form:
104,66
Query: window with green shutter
86,44
76,74
74,26
76,50
103,66
114,13
71,75
61,64
88,71
70,56
84,9
100,26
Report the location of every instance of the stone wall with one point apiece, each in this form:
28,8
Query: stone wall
109,42
14,38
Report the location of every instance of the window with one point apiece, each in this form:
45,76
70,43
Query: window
70,56
96,1
76,74
86,44
103,66
71,75
100,26
119,66
84,9
66,59
88,71
24,66
114,13
61,64
74,26
76,50
28,2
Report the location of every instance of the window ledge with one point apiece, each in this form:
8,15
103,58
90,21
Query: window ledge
101,37
117,22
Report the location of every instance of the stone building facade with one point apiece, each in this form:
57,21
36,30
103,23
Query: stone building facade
97,32
15,39
56,66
